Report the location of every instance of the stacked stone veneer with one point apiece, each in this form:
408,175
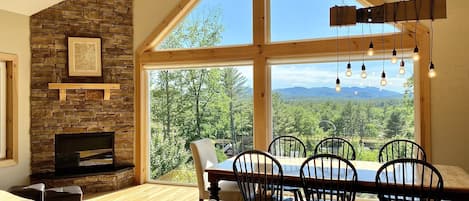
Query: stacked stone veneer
84,110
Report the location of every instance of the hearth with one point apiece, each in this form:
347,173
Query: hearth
84,153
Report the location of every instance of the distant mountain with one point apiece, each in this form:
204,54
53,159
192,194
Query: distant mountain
346,93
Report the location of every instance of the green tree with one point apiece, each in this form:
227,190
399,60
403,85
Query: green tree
234,87
395,124
174,122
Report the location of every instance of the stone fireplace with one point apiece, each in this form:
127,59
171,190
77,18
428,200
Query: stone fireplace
84,112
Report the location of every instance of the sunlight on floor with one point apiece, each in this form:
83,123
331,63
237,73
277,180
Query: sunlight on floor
148,192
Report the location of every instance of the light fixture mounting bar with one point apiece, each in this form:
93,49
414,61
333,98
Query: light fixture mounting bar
395,12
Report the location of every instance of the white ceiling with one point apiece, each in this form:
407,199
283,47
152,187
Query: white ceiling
26,7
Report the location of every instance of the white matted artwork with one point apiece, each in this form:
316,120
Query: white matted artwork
84,57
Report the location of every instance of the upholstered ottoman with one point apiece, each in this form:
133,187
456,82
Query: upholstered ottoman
34,192
67,193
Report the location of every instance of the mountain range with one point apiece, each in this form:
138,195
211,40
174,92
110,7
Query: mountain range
345,93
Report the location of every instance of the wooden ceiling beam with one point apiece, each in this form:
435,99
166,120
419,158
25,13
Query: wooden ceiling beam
275,50
389,12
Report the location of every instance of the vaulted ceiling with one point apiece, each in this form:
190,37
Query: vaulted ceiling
27,7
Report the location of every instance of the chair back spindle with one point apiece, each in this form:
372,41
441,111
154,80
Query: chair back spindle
409,179
336,146
259,176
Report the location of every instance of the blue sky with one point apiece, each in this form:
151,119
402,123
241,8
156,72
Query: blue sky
297,20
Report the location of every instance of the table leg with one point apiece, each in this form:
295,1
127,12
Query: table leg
214,189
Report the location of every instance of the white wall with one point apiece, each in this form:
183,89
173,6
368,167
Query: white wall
14,38
450,89
147,15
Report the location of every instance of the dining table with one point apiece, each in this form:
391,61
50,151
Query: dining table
455,179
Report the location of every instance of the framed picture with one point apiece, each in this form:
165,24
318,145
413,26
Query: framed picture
84,57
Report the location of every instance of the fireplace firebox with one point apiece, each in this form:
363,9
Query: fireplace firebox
84,153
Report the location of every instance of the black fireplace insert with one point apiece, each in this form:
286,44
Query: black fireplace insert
84,153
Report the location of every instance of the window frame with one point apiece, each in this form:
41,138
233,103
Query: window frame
11,61
261,53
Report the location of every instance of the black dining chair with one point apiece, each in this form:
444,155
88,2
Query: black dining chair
328,177
292,147
259,176
397,149
336,146
409,179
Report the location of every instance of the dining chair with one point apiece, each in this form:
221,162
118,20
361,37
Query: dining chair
328,177
259,176
204,155
409,179
336,146
292,147
397,149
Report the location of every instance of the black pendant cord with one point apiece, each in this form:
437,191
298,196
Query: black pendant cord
349,46
337,51
417,17
432,7
395,24
402,32
382,36
431,42
402,43
363,42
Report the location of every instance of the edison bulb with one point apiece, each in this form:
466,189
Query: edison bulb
337,85
363,73
394,56
402,70
416,55
431,71
348,72
383,82
371,50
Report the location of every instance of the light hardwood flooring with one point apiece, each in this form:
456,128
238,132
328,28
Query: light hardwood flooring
157,192
149,192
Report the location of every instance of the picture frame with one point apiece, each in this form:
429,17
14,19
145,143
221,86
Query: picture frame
84,57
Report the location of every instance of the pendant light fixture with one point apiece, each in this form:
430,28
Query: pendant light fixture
394,56
416,55
383,81
394,52
431,67
337,81
402,64
371,48
363,73
348,71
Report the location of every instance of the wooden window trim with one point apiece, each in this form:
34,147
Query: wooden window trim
260,52
11,61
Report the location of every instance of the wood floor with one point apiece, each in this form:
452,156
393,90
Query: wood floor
158,192
149,192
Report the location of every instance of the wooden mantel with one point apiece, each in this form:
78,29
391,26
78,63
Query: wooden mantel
62,87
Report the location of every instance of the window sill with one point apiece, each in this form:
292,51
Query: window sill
7,163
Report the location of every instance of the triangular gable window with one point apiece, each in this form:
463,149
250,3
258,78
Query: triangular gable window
212,23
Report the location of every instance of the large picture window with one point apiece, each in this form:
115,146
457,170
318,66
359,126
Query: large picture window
191,104
292,50
306,105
